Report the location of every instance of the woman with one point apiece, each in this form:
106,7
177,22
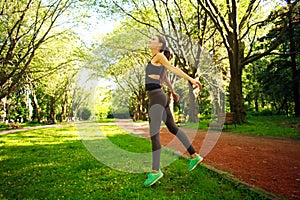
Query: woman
159,108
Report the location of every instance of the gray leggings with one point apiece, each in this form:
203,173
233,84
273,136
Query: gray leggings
159,110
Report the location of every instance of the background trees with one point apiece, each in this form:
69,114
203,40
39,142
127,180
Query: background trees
276,77
240,24
25,26
247,49
123,57
38,58
186,34
240,28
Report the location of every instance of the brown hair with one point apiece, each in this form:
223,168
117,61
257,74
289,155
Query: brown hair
164,47
166,52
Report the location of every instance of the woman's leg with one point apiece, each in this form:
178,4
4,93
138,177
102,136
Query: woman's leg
155,115
196,158
158,101
173,128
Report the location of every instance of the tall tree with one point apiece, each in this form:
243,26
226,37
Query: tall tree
279,73
185,27
236,26
55,62
123,63
294,28
25,26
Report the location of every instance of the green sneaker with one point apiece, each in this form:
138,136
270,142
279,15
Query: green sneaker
194,162
152,178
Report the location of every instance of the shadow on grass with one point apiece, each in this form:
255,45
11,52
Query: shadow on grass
56,165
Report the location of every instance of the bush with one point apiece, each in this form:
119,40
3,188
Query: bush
265,112
84,114
3,125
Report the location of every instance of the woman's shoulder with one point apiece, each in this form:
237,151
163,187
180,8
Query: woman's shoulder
159,57
156,60
160,54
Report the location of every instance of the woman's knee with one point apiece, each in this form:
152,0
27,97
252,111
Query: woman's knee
155,142
172,128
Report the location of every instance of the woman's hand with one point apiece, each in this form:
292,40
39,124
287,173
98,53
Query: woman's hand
197,83
176,96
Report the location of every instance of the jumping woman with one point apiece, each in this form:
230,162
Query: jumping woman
159,106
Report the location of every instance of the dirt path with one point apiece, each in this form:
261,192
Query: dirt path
272,164
29,128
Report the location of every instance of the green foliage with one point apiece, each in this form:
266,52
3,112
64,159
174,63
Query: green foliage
273,82
17,106
25,27
103,102
123,63
3,126
40,55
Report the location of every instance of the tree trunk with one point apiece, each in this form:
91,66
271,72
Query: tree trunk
62,112
296,83
235,95
68,106
193,106
235,86
36,104
256,103
295,73
67,113
52,111
63,106
236,55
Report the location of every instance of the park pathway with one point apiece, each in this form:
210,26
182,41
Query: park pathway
29,128
269,163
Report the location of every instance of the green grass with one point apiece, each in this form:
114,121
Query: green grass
55,164
278,126
106,120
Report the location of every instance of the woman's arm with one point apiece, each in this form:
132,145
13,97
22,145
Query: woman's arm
160,58
168,83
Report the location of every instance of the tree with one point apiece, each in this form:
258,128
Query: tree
79,99
128,73
182,25
84,113
294,28
235,27
123,63
25,26
277,75
50,79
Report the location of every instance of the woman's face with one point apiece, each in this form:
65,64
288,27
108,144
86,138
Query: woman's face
154,43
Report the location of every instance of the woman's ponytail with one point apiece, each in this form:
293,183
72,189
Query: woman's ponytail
167,53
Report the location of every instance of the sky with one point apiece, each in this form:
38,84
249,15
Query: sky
97,28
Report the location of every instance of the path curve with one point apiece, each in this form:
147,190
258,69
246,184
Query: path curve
269,163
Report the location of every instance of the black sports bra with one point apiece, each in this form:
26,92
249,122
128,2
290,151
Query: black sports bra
151,69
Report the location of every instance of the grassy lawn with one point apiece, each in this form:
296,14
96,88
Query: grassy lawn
278,126
55,164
